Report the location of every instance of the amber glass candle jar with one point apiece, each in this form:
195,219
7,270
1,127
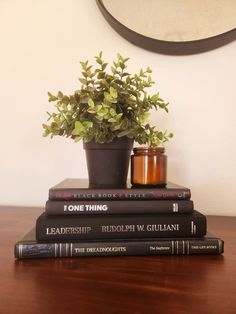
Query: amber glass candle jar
149,166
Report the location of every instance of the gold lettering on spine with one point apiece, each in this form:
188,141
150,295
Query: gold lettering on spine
108,249
68,230
118,228
140,227
162,228
79,250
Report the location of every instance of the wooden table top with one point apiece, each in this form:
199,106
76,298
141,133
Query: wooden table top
147,284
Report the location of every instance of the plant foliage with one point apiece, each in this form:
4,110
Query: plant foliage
107,105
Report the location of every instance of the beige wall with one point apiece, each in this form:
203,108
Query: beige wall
42,43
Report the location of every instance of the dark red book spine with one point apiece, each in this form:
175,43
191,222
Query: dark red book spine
131,194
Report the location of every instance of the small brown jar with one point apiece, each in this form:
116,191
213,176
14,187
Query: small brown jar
149,166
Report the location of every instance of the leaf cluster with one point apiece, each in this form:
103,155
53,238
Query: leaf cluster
107,105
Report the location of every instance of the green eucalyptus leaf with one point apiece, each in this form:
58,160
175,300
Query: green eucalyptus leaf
113,92
83,81
91,110
85,74
91,103
65,100
112,112
114,70
99,118
101,75
77,138
102,112
104,66
109,103
51,97
118,116
87,124
123,133
99,60
79,128
59,95
98,107
155,97
160,135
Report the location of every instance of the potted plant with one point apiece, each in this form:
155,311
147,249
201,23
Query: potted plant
108,112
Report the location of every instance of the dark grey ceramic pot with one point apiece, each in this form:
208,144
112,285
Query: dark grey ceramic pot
108,163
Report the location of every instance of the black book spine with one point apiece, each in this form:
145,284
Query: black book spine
72,228
120,248
90,194
118,207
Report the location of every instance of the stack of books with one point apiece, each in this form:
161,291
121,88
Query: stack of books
82,221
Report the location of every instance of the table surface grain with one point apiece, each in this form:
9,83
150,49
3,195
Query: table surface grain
150,284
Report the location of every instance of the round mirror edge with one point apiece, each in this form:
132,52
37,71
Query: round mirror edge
167,47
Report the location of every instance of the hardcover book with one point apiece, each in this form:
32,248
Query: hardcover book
104,207
28,247
79,189
72,228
